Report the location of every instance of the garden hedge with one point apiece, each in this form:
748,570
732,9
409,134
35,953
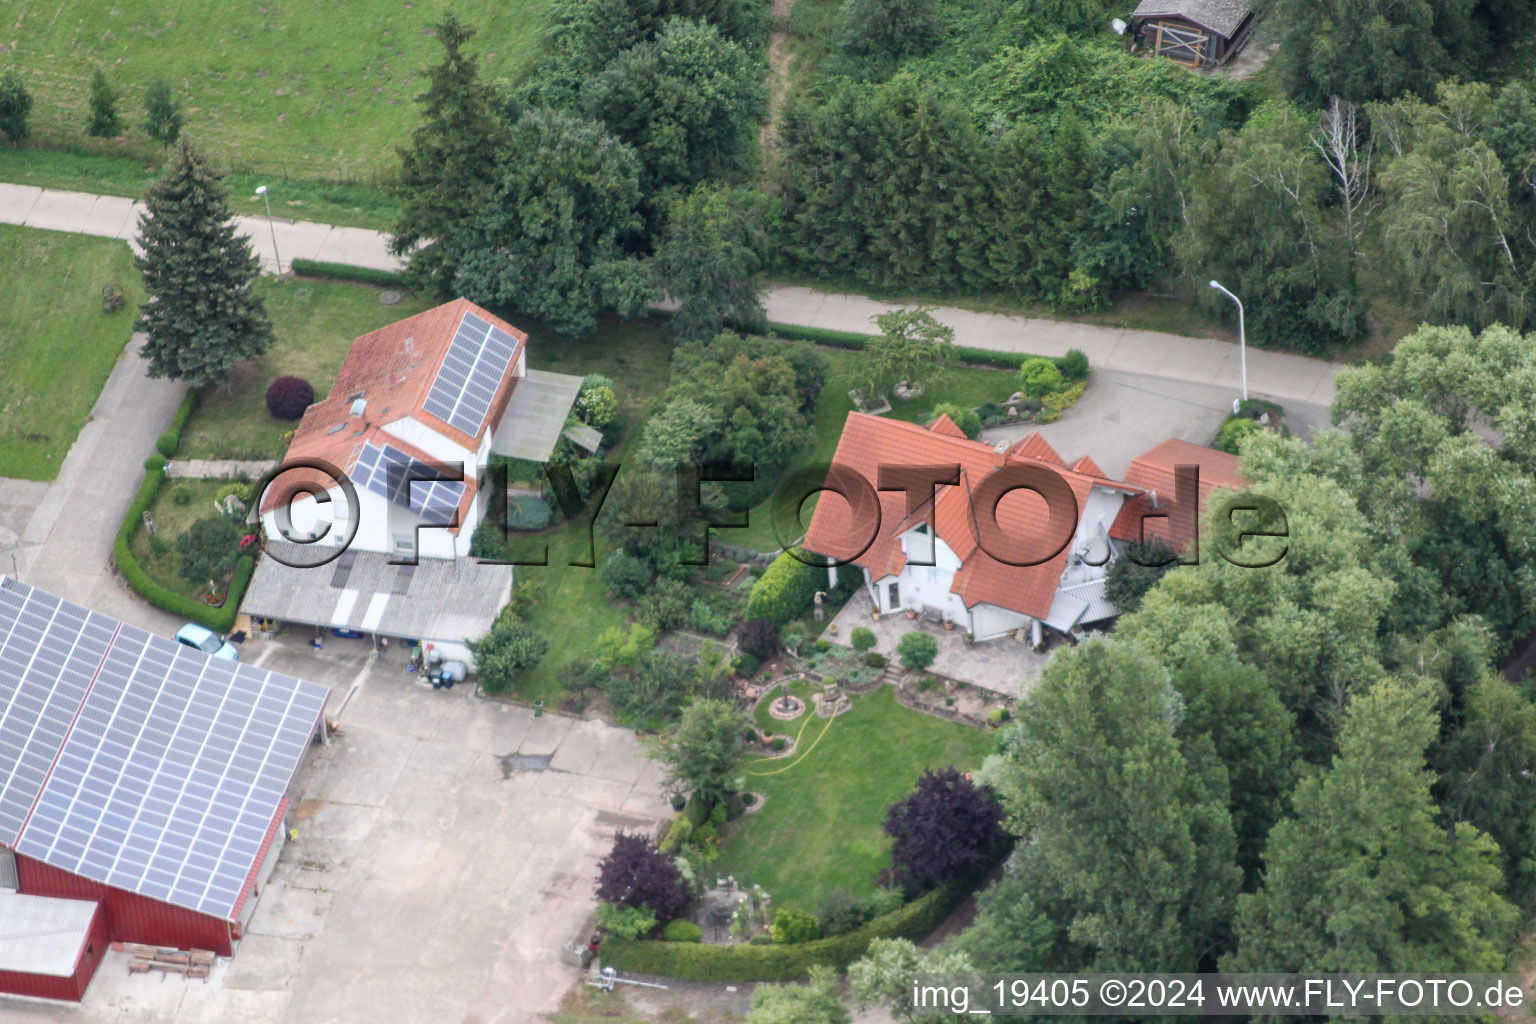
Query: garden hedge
964,354
220,619
748,962
345,272
785,589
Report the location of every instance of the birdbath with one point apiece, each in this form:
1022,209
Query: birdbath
784,704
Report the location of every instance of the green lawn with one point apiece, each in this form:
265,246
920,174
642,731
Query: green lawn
821,825
57,345
351,205
966,385
305,90
178,505
315,323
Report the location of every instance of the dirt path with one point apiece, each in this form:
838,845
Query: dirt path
780,58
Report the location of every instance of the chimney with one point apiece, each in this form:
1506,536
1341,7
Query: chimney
1000,455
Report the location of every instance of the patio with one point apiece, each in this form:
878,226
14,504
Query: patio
1005,666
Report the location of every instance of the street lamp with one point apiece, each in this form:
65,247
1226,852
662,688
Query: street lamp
1242,342
261,190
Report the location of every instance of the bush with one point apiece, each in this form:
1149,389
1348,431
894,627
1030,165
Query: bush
682,930
708,617
751,961
288,397
966,419
991,414
1233,432
181,496
678,833
15,108
874,659
1073,365
1137,571
103,122
776,744
745,665
636,874
760,940
664,606
917,650
822,646
625,575
510,649
862,638
841,911
759,638
1057,402
626,922
1039,377
794,926
697,810
207,550
997,716
785,589
346,272
159,545
167,442
162,120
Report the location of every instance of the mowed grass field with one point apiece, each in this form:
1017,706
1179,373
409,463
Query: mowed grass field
57,346
317,89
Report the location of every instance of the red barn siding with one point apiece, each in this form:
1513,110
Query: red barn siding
130,917
47,986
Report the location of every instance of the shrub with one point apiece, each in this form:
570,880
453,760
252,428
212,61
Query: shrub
997,716
288,397
682,930
506,652
596,405
966,419
207,550
167,442
760,940
697,810
709,617
346,272
841,911
1073,365
991,414
104,122
1233,432
678,833
1055,403
874,659
181,496
785,589
862,638
794,926
776,744
745,665
917,650
705,834
1039,377
636,874
664,605
625,575
154,464
626,922
946,827
1137,571
15,108
159,545
759,638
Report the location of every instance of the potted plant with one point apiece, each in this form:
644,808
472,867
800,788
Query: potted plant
970,638
911,613
679,801
949,627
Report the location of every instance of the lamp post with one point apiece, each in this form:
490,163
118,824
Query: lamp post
261,190
1242,342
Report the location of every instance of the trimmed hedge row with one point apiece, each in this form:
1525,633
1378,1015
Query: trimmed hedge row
167,442
784,590
850,340
748,962
220,619
345,272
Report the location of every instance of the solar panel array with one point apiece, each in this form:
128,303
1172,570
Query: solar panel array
49,651
472,370
388,472
175,766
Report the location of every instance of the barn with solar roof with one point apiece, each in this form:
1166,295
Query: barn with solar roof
143,789
432,396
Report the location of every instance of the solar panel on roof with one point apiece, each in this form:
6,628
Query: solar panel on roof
170,766
393,475
465,384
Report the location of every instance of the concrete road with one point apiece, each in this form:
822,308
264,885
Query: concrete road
432,880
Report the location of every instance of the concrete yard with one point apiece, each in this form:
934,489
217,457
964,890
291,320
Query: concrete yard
430,880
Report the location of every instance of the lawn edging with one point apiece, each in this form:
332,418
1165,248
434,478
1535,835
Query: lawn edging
347,272
691,961
220,619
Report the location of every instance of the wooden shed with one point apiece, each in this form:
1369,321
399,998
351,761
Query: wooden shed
1195,33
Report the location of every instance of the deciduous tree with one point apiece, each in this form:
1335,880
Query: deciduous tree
945,827
711,251
703,753
636,874
506,653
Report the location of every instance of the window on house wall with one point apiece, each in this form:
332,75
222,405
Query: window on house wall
893,596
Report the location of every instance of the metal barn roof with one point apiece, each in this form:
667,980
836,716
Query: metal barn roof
43,934
172,764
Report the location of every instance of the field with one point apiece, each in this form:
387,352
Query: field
821,825
57,345
320,90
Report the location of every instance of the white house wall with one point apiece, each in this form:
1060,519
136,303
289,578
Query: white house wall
988,621
924,587
378,522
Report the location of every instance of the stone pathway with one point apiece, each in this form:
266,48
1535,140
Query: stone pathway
216,469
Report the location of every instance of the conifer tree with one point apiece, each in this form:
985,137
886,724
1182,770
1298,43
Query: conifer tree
104,122
15,108
202,314
162,114
450,163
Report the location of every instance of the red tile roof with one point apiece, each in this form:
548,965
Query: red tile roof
868,442
393,369
1153,472
945,425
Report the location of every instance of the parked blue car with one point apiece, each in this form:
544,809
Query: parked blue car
206,640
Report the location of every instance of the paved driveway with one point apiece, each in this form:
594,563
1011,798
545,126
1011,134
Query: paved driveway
431,880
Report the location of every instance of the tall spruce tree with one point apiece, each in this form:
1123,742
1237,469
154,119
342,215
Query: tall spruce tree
202,314
450,164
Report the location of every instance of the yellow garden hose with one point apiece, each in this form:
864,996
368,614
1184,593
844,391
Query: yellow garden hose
808,750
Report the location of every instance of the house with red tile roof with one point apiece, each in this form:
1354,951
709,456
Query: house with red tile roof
413,416
932,560
1155,513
